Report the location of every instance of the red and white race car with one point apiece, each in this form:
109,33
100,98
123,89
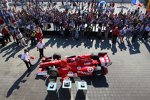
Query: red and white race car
74,66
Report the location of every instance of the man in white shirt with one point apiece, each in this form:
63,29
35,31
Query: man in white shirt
40,46
26,58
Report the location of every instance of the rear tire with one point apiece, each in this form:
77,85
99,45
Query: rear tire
94,57
98,71
56,56
105,70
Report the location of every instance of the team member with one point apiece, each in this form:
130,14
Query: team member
38,32
26,58
40,46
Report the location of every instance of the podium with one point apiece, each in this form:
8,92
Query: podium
82,86
66,88
67,84
52,86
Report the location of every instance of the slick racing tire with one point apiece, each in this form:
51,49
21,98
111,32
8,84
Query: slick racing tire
98,71
71,56
94,57
56,56
53,72
105,70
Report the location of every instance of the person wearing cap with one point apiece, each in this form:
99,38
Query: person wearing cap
26,58
40,46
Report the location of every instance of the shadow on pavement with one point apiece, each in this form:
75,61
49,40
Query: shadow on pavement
96,81
17,82
52,95
80,95
31,47
64,42
21,79
13,53
35,65
7,47
147,45
10,50
64,94
40,77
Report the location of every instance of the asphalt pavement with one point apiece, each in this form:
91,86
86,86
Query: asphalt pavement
128,77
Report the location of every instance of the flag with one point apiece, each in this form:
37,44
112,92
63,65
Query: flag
136,2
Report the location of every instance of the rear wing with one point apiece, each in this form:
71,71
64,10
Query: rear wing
104,59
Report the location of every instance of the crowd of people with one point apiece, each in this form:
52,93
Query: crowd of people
77,19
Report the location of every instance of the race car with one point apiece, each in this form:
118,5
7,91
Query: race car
75,66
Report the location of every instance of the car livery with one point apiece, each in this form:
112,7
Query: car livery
76,66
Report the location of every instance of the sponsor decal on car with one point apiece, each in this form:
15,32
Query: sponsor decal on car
90,69
78,68
70,74
64,68
85,73
87,63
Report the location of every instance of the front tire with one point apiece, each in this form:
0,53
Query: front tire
53,72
